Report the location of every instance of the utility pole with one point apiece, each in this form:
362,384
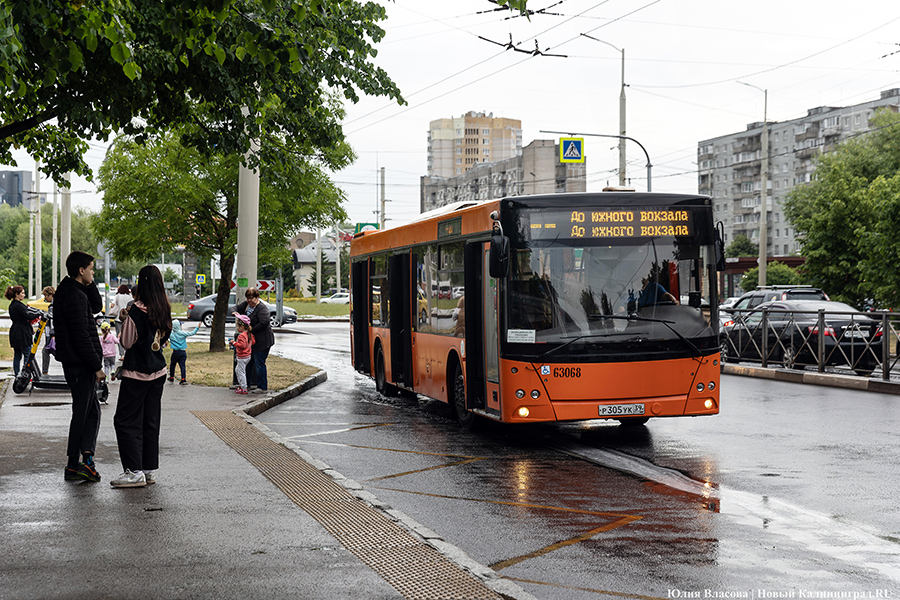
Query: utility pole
38,227
31,244
248,222
622,134
318,265
65,234
381,215
54,249
337,259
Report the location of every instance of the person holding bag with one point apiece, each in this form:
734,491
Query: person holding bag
145,329
261,328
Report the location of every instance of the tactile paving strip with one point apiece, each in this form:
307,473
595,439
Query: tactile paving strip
415,569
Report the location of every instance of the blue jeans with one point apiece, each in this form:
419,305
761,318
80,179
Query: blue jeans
259,364
179,357
19,354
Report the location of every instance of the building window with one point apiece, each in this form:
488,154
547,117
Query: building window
485,131
459,161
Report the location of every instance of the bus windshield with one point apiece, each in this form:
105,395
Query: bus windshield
609,294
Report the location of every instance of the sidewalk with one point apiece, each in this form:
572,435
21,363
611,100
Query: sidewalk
235,514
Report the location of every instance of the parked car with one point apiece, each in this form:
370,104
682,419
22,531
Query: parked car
202,310
728,302
792,335
338,298
778,292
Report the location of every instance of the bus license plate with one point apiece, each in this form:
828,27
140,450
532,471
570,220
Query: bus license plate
615,410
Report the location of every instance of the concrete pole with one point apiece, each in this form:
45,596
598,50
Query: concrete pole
31,244
248,225
381,216
54,248
337,259
763,209
318,265
65,234
38,228
622,126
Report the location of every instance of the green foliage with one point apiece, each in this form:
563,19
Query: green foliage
845,217
327,277
72,71
776,274
7,278
741,246
14,240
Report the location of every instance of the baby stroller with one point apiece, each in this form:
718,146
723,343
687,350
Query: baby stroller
31,374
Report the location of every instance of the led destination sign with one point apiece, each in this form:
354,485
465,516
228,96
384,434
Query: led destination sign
609,223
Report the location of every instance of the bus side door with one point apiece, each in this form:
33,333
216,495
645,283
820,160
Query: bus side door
401,294
482,351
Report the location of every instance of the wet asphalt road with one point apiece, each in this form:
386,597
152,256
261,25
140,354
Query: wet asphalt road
791,489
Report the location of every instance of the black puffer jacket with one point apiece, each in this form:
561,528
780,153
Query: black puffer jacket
77,341
21,333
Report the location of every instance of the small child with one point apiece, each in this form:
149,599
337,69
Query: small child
242,346
110,343
178,342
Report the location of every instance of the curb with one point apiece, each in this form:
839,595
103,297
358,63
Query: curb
849,382
504,587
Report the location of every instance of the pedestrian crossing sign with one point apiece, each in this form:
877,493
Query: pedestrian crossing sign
571,150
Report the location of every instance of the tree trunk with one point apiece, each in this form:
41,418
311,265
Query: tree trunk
217,334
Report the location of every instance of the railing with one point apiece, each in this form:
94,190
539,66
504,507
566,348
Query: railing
858,340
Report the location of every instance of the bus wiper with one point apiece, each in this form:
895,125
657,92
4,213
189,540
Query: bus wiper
668,325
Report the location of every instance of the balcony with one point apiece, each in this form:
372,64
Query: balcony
811,132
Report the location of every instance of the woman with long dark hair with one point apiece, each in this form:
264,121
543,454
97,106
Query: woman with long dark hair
21,333
145,329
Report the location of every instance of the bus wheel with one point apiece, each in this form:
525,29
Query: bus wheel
465,418
633,421
380,376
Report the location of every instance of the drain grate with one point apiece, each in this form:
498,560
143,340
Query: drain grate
413,568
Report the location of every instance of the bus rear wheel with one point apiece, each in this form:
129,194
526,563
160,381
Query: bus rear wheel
464,417
381,384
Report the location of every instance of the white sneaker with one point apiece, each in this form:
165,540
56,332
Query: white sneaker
150,476
129,479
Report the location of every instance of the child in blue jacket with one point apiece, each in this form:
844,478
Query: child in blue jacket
178,341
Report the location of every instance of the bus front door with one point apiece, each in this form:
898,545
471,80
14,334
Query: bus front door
482,357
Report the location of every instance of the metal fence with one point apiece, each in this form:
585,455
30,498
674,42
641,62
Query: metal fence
798,339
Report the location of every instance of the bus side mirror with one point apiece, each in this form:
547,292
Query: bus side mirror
720,246
498,259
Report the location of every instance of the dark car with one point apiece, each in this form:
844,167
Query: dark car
202,310
791,332
778,292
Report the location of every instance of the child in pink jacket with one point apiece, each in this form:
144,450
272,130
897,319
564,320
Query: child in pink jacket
242,346
110,343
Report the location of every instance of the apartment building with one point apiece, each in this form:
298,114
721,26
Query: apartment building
730,167
458,144
15,187
536,170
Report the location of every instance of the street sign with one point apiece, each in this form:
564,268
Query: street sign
263,285
571,150
365,227
201,278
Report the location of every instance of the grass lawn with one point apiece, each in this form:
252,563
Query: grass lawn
214,369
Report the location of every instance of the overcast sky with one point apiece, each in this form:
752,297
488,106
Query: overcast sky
683,61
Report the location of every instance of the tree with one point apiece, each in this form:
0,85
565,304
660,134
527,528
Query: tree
72,71
777,273
741,246
844,217
161,194
327,276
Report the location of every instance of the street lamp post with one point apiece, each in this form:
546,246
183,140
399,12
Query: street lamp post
622,134
763,209
621,137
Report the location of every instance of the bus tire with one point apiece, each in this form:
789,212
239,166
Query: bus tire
464,417
380,374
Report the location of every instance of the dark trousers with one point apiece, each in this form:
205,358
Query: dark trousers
259,366
138,412
20,354
179,357
85,424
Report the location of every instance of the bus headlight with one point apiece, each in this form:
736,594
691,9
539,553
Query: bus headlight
523,411
708,404
520,394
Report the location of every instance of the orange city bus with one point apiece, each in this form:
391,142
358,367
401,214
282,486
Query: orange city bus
551,307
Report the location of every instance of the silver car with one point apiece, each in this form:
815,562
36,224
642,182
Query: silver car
202,310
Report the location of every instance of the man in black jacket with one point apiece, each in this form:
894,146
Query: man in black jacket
78,349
